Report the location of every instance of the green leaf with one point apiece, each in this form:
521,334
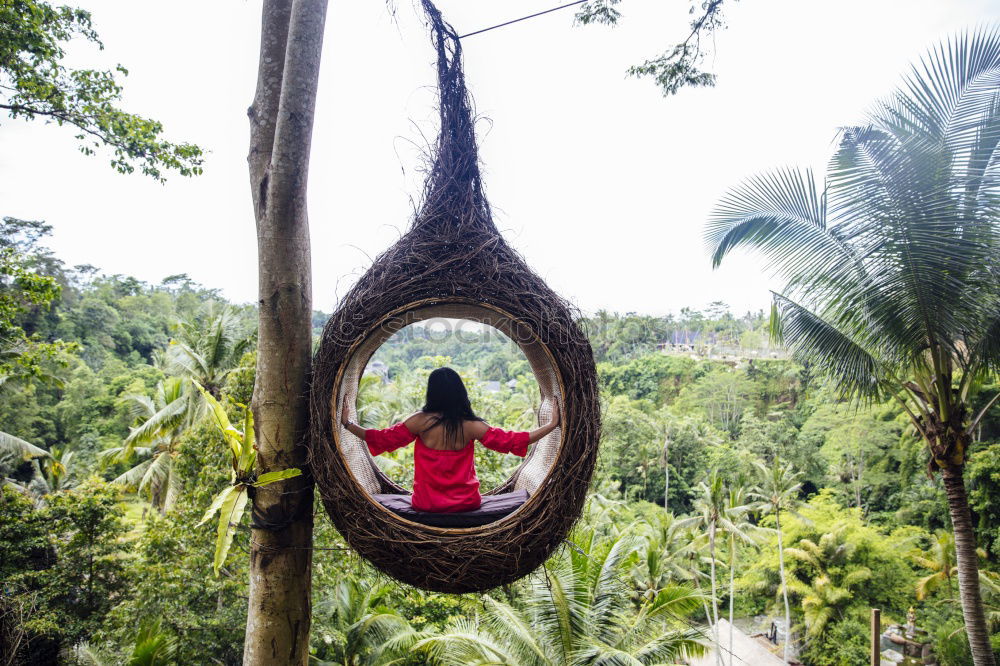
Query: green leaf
229,518
222,422
271,477
20,448
216,505
249,454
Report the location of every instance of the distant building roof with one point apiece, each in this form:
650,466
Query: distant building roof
377,368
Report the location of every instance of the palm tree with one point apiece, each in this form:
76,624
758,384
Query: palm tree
577,613
52,473
739,530
663,555
362,630
713,514
207,349
832,579
161,421
823,599
13,452
152,646
696,559
891,267
940,560
778,492
19,449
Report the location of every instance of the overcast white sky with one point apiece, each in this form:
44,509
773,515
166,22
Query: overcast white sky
599,181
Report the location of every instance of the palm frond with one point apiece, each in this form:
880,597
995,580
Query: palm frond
139,406
674,600
133,477
952,87
558,606
604,607
24,450
157,473
672,645
594,653
893,205
783,215
510,625
173,484
172,415
984,354
857,371
464,643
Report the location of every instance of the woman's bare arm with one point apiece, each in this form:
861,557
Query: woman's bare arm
476,429
414,423
354,428
538,433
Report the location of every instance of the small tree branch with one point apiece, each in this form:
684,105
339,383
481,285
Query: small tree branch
77,122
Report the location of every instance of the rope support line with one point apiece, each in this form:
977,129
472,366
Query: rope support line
523,18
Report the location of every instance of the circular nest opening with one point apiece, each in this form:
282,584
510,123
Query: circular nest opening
556,473
353,451
454,263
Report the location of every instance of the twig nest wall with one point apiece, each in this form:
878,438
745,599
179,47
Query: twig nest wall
454,263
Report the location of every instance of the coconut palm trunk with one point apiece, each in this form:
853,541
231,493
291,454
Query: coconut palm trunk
968,566
732,591
715,595
666,473
784,587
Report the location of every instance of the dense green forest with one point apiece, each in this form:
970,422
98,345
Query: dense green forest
111,459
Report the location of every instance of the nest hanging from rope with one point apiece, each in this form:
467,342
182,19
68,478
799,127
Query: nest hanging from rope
454,263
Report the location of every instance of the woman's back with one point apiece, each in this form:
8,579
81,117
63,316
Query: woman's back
444,474
444,477
434,435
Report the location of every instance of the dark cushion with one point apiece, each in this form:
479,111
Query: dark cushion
493,508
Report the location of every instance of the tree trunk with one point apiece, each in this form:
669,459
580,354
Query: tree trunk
281,120
784,587
732,591
968,567
715,596
666,474
704,601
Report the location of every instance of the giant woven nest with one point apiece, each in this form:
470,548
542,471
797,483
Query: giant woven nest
454,263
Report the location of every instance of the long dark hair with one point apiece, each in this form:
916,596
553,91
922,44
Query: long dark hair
449,401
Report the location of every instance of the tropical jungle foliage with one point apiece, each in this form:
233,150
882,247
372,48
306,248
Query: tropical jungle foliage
736,480
102,527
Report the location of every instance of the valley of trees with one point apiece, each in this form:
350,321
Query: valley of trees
111,458
788,488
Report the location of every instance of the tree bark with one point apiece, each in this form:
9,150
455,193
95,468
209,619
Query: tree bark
666,474
732,590
281,121
715,596
968,567
784,587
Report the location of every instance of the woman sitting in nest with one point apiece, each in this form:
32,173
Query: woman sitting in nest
444,476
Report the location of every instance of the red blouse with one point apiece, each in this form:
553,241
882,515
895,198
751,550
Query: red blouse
445,481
